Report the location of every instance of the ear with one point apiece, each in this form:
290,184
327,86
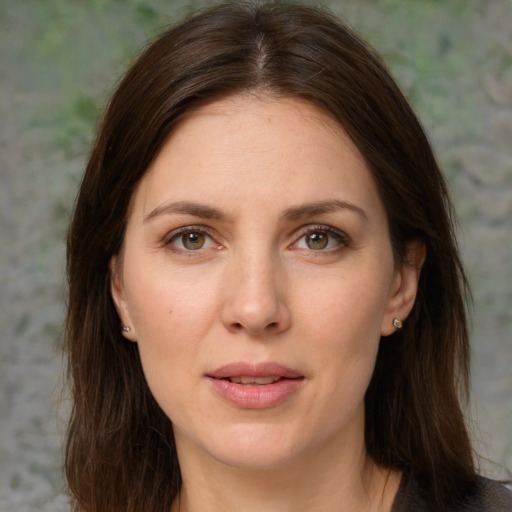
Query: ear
404,287
119,298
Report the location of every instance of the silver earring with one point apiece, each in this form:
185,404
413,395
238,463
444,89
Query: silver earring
125,328
397,323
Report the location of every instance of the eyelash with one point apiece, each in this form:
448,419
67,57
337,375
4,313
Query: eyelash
342,239
175,235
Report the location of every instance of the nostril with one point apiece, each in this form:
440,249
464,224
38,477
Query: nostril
270,327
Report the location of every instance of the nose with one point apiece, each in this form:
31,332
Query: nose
255,297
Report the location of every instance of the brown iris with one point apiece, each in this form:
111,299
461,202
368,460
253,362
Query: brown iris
193,241
317,241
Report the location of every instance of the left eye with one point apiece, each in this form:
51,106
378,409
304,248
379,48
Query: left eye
319,240
191,240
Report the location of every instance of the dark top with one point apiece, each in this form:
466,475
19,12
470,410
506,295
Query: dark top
489,496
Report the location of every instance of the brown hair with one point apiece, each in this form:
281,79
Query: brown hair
120,452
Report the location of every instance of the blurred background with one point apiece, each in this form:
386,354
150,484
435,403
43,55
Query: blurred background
60,59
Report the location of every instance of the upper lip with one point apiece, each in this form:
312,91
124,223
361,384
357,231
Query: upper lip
241,369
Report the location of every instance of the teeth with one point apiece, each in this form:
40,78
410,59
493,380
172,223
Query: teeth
254,380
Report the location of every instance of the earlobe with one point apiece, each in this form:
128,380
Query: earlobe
118,296
404,288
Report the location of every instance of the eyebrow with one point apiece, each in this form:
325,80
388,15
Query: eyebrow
291,214
186,208
322,207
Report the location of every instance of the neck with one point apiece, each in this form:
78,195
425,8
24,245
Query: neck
324,480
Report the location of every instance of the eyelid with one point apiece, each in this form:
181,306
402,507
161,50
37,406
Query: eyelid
341,236
344,239
175,233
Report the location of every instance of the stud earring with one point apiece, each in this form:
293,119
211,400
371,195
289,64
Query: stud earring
125,328
397,323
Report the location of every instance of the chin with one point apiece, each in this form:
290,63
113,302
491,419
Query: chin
256,447
257,459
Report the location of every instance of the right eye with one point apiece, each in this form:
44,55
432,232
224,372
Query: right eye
189,239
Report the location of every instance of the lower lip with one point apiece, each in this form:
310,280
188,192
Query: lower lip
255,396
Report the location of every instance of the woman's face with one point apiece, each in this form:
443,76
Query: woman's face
257,278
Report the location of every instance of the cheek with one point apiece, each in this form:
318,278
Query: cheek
171,316
170,328
349,307
348,347
168,304
344,324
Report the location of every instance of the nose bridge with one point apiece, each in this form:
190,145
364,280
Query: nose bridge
255,298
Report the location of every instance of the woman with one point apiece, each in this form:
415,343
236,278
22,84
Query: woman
266,305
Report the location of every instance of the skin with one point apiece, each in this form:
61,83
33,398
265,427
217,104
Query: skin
263,287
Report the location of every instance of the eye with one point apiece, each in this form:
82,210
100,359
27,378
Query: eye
190,239
321,238
317,241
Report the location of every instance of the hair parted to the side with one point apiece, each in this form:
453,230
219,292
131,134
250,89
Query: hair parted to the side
120,453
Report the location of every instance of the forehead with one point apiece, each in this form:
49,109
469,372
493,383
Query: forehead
245,115
255,147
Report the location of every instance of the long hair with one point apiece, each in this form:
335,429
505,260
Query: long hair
120,453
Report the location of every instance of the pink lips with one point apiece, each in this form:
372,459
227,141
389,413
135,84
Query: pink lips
279,383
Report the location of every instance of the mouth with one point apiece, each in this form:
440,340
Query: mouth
253,381
262,374
258,386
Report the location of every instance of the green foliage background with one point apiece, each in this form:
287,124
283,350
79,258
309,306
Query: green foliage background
60,59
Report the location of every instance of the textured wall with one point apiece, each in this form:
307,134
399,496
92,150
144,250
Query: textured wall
59,59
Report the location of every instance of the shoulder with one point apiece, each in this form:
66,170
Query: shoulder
486,496
493,496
